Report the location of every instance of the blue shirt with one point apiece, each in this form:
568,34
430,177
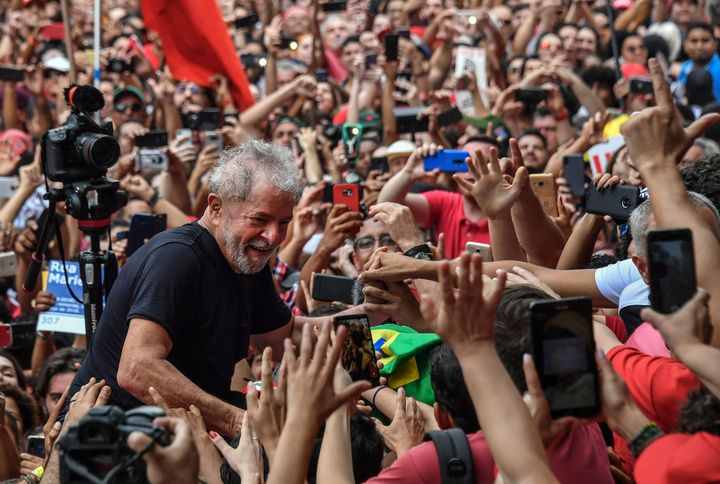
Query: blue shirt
713,67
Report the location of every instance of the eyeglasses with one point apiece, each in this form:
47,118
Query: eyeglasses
367,243
134,107
182,87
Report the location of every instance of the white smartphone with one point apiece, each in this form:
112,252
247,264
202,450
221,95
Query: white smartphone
8,185
151,159
477,248
8,264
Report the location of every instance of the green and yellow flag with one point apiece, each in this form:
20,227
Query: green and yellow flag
405,358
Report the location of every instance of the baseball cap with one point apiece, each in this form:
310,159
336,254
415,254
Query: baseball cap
399,149
57,63
129,90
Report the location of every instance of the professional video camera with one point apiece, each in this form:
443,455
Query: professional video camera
96,448
80,149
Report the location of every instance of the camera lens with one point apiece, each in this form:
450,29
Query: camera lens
625,202
97,149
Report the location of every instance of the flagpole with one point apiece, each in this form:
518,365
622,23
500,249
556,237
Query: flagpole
96,43
68,39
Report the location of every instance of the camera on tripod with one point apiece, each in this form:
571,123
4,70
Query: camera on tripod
80,149
97,445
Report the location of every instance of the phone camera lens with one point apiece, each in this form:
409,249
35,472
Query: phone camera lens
625,202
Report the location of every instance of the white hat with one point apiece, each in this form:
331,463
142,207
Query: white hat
400,148
58,63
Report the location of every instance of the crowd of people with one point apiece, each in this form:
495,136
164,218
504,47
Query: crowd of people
216,358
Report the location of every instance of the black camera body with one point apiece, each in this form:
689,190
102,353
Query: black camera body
98,444
79,149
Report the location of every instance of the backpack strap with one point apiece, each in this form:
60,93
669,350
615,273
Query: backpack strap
454,454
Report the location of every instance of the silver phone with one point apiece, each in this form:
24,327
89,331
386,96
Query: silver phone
8,264
477,248
8,185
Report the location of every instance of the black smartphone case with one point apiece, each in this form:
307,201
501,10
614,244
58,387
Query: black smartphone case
618,201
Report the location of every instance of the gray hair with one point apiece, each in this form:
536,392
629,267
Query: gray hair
639,220
240,168
708,146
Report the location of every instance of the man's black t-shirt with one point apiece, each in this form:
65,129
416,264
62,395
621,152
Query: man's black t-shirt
181,280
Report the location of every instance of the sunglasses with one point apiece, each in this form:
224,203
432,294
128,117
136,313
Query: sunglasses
193,88
134,107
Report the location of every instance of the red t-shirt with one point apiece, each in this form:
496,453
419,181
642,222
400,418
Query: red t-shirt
579,456
680,458
659,385
447,216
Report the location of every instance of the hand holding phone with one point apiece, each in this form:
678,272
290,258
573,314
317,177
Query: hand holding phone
358,355
347,194
671,267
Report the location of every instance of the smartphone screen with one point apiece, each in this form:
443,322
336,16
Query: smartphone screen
358,356
143,226
331,288
671,262
574,173
152,139
564,355
391,47
36,445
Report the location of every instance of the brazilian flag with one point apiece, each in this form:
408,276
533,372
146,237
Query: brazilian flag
405,358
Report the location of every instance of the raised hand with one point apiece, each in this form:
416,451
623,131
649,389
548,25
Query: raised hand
414,165
267,411
407,428
400,223
464,319
655,136
689,325
491,190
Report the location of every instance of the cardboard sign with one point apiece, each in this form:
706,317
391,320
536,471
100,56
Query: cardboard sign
67,315
599,155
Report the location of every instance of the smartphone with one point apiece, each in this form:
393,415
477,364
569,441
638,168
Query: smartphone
333,288
477,248
391,47
406,120
118,66
618,201
543,186
531,95
6,339
227,116
347,194
321,75
671,265
574,173
11,73
358,356
641,85
143,226
151,159
288,42
370,59
152,139
8,184
564,355
403,32
214,139
204,120
452,161
247,21
184,133
8,264
252,60
450,116
36,445
379,163
334,6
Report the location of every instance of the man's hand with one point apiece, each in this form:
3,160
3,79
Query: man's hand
137,186
464,321
393,267
30,176
688,326
340,225
26,241
655,136
491,190
176,463
29,463
414,166
43,301
397,301
407,428
400,223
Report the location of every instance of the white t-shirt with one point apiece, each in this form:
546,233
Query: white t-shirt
622,284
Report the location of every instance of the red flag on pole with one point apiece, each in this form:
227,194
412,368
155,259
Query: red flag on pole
197,45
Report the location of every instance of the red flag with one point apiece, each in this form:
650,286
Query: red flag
197,45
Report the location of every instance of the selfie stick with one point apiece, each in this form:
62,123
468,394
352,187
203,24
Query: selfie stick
614,43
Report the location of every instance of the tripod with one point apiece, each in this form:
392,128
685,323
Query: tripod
92,203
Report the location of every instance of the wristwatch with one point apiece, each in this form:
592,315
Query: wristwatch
421,252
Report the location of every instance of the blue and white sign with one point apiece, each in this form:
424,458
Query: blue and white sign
67,315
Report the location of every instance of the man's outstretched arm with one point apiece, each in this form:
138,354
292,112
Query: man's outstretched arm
143,364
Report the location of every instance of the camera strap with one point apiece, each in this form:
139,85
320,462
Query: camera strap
454,455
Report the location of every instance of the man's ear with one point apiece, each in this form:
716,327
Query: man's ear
442,417
642,266
214,207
